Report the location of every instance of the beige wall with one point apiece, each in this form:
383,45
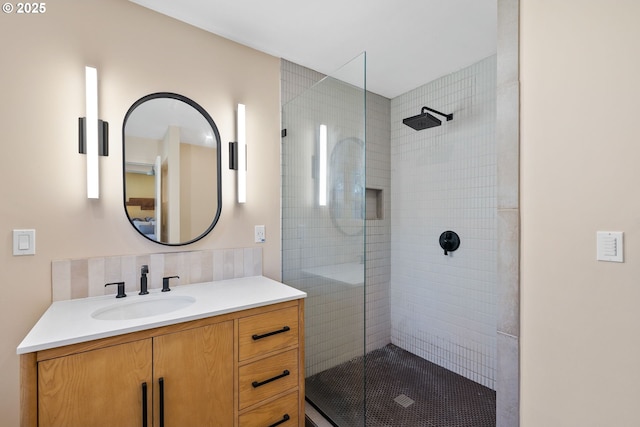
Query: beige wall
580,172
137,52
197,177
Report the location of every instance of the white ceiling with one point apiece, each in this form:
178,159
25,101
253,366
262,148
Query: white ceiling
152,119
408,42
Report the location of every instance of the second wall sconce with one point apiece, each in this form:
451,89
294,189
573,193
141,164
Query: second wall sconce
238,154
93,134
319,167
322,166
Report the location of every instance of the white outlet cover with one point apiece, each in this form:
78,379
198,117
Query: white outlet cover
260,236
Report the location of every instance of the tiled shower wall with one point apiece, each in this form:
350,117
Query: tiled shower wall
443,308
313,245
378,237
311,241
86,277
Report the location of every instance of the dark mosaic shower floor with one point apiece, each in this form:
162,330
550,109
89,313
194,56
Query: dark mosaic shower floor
442,398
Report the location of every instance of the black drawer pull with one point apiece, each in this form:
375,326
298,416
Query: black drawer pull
283,420
268,334
257,384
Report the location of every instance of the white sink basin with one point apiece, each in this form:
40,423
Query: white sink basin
143,307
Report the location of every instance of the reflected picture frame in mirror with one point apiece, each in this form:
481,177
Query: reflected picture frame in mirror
171,163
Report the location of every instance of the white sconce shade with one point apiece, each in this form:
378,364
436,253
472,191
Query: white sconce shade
322,166
93,184
242,154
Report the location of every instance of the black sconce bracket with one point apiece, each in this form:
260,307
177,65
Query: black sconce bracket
103,137
233,155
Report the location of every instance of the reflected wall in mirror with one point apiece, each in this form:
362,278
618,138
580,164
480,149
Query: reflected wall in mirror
171,169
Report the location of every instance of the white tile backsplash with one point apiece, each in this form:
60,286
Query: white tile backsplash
79,278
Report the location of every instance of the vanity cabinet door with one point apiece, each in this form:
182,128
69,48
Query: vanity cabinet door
195,368
96,388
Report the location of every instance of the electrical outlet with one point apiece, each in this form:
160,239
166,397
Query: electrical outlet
260,235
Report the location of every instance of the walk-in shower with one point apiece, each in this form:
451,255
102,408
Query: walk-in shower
397,332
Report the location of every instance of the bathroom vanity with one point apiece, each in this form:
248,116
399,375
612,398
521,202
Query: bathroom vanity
232,354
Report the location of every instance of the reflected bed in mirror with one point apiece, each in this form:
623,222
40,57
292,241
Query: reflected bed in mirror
171,169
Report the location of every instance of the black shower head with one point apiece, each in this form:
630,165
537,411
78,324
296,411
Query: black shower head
425,120
422,121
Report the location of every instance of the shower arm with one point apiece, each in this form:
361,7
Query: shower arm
448,116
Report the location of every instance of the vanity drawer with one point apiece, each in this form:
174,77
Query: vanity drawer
268,377
267,332
283,411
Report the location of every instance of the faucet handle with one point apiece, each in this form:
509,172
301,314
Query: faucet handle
144,269
165,282
121,293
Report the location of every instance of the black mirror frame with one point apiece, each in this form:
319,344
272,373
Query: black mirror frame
209,120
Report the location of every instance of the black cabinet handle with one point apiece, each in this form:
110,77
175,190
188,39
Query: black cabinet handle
161,393
284,419
144,404
268,334
257,384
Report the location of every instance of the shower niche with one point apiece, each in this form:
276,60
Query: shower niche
374,204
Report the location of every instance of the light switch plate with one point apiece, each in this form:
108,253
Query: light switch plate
610,246
24,242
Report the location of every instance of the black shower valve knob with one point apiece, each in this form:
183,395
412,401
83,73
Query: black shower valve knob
449,241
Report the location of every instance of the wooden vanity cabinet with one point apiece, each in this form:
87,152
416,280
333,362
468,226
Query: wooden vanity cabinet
198,373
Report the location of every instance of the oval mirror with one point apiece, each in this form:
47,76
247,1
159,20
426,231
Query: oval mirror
347,186
171,169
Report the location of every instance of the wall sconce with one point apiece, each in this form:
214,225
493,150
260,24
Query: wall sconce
93,134
322,166
238,154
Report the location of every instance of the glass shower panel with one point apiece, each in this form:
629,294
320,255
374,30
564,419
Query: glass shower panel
323,220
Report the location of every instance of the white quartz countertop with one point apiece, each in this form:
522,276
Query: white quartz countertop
71,322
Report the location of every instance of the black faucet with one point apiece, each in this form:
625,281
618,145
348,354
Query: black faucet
165,282
143,280
121,293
